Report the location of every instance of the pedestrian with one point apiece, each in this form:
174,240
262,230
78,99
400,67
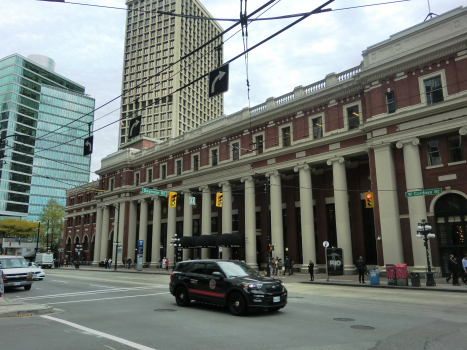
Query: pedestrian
67,262
166,264
455,272
124,260
163,263
110,263
311,266
450,268
287,265
106,263
291,267
280,264
273,266
464,267
277,261
129,262
361,267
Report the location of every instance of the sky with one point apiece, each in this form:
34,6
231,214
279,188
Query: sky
87,46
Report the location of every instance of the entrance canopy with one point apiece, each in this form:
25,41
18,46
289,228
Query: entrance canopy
206,241
231,240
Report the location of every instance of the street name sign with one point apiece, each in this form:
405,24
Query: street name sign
154,192
423,192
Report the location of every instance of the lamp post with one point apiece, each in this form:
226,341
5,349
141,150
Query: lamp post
424,231
177,247
78,249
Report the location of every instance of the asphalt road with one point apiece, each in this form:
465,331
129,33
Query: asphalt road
129,311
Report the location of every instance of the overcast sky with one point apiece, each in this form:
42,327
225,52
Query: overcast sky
87,45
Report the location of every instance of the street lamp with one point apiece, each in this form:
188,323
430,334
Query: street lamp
424,231
78,249
177,248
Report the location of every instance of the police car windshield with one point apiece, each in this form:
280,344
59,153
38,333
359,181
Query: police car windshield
236,269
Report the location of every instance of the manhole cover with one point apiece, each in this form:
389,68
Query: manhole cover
343,319
363,328
165,310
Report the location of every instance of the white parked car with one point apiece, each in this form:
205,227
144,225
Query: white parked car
37,272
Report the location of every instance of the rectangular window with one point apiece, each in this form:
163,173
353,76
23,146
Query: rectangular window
390,102
137,179
179,167
195,163
235,151
286,137
353,117
214,224
163,171
150,175
214,157
434,90
259,144
434,156
456,153
112,184
317,125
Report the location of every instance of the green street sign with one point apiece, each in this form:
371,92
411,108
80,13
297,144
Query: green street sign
423,192
154,192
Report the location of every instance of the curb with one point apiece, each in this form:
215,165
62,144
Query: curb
43,309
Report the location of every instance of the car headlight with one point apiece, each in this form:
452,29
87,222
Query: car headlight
253,285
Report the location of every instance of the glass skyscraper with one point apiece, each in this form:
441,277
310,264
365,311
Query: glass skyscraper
41,146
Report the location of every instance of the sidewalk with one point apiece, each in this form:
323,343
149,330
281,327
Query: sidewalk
12,308
297,277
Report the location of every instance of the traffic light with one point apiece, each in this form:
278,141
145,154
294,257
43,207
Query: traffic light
219,199
173,199
369,200
271,247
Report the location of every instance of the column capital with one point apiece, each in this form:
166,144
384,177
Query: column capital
303,166
414,141
205,189
272,173
142,200
463,131
335,159
224,183
246,178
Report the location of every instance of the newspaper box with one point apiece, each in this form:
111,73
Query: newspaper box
402,275
374,277
391,274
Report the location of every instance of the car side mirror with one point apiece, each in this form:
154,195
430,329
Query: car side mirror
217,274
30,264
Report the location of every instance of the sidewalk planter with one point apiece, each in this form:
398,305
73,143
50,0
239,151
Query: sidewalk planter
374,277
391,274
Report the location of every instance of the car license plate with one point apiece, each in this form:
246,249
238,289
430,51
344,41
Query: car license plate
17,283
276,299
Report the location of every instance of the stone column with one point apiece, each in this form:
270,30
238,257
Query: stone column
121,227
114,247
388,205
307,217
156,231
226,215
206,218
187,221
105,233
98,237
132,230
143,226
277,233
417,206
250,222
171,229
341,203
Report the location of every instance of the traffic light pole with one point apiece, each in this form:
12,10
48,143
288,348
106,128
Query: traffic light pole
268,227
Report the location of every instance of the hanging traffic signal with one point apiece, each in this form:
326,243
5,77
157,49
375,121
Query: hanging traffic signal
369,200
173,199
219,199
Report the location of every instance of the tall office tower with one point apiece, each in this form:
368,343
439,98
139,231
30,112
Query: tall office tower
40,160
153,44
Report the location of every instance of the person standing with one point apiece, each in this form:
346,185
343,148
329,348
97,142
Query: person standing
451,267
464,267
166,264
129,262
291,267
361,267
273,266
279,265
287,265
455,273
110,263
163,263
311,266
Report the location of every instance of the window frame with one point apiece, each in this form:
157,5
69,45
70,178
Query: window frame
149,179
311,118
263,135
216,149
193,162
421,81
460,147
176,166
281,135
391,103
428,152
112,184
346,116
163,174
233,150
137,181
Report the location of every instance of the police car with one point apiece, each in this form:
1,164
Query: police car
228,283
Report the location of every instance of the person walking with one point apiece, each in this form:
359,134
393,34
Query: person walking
361,267
311,266
464,267
106,263
167,265
129,262
287,265
291,267
455,273
280,265
273,266
110,263
163,263
451,267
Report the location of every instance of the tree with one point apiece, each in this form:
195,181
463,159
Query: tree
52,215
17,228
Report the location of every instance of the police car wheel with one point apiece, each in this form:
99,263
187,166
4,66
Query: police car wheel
237,304
181,296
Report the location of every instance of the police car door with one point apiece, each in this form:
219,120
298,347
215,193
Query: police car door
195,280
214,285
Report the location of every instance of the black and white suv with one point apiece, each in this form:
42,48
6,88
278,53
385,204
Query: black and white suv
228,283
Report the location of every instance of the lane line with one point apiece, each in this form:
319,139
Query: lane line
105,280
100,334
60,281
84,301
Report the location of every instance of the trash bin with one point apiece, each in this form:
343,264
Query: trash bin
415,279
391,274
56,263
374,277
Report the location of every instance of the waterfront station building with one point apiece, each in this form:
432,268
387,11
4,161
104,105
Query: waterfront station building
395,125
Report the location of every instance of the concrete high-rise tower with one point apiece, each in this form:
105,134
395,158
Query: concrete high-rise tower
153,43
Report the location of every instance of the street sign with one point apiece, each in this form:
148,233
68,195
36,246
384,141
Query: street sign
325,244
423,192
87,149
220,249
192,200
154,192
134,127
119,250
219,81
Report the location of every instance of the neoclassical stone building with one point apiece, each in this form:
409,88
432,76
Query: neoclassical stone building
395,123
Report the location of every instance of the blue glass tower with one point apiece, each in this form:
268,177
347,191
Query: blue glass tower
41,147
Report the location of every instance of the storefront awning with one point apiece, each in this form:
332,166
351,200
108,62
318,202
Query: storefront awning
188,242
231,240
206,241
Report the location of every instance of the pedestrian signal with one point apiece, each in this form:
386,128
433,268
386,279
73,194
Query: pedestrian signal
173,199
369,200
219,199
271,247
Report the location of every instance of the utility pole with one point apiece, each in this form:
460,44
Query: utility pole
47,235
37,241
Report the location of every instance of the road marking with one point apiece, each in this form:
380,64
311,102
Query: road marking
96,285
100,334
65,295
60,281
109,347
113,280
84,301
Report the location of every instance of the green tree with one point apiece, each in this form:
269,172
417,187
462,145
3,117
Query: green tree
17,228
52,216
